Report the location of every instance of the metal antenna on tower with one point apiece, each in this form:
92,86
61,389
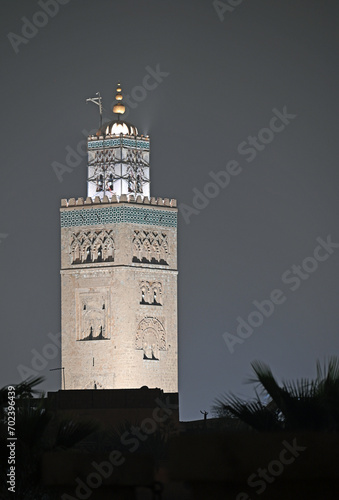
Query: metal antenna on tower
98,102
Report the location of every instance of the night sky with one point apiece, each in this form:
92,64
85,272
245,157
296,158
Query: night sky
225,75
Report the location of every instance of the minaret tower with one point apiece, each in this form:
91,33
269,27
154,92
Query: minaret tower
118,162
119,269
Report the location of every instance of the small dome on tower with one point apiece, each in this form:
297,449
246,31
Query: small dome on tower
117,127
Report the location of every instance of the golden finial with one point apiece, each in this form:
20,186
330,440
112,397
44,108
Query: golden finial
119,108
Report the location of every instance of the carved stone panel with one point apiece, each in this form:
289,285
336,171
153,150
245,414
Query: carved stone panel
151,337
150,247
92,315
92,246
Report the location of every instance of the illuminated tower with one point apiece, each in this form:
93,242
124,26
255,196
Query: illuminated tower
119,270
118,158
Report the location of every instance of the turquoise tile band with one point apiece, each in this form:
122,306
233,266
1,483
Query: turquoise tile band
111,143
116,215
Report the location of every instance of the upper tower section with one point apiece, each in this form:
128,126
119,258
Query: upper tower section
118,157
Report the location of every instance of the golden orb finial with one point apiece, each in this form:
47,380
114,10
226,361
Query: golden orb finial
119,108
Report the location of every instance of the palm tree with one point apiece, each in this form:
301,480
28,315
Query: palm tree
25,389
292,406
37,431
154,444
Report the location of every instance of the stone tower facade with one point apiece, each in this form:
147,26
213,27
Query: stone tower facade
119,272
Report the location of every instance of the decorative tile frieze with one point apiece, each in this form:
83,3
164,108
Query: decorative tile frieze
116,215
111,143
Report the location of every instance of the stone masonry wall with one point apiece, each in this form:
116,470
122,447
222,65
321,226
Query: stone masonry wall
119,316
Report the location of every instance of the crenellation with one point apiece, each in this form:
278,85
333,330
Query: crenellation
166,202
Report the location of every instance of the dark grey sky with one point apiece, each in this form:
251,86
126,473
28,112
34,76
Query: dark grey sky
225,78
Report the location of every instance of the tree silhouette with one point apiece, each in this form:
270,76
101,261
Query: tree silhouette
37,431
311,405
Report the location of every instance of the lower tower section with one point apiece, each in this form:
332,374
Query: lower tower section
119,293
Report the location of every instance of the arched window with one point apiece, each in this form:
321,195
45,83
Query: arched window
130,184
110,182
92,246
88,255
99,257
100,183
